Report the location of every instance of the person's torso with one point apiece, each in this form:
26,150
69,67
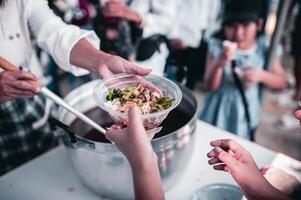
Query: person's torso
15,39
191,20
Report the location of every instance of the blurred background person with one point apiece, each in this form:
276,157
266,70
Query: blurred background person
235,70
196,20
135,30
119,35
155,18
79,13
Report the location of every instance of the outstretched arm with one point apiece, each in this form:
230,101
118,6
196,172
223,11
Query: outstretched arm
229,156
135,145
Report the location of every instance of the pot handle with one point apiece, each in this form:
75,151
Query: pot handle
75,141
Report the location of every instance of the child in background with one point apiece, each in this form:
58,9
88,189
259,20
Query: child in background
233,99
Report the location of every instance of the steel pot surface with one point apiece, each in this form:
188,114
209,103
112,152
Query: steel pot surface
102,167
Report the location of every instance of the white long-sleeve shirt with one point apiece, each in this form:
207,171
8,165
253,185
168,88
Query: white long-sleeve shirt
20,19
193,16
158,15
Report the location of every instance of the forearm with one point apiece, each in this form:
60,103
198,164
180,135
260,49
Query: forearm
147,182
86,56
263,190
273,81
213,77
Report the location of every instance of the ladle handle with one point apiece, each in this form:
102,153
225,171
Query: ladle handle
62,103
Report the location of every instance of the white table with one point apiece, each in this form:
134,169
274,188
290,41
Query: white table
50,176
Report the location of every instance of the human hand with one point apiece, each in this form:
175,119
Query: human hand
177,44
252,76
110,65
298,113
133,141
227,55
17,84
229,156
117,8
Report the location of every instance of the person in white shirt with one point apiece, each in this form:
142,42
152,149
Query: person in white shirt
156,18
194,19
20,104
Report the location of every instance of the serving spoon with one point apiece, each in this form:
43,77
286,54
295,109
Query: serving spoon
7,66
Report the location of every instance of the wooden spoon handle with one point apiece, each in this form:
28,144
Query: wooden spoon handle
7,66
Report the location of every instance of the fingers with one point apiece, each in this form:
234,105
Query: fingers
135,121
114,134
25,85
226,158
211,154
298,114
226,144
221,167
114,126
15,92
148,85
131,68
114,9
214,161
22,75
152,132
218,156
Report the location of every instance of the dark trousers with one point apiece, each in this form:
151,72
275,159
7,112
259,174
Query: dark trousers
190,63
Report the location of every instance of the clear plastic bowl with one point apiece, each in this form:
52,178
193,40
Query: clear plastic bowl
151,120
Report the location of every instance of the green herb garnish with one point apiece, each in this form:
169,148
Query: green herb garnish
113,94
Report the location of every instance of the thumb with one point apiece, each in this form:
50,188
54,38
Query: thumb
226,158
135,122
114,134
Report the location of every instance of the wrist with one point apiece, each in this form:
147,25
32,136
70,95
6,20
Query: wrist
261,76
101,60
145,163
259,188
221,62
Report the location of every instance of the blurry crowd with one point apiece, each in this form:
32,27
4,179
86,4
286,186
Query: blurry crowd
167,36
222,44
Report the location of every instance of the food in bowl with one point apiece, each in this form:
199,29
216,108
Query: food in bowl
155,95
147,101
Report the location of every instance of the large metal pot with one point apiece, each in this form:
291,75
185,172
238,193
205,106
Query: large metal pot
102,167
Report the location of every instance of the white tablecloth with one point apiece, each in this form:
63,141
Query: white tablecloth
50,176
